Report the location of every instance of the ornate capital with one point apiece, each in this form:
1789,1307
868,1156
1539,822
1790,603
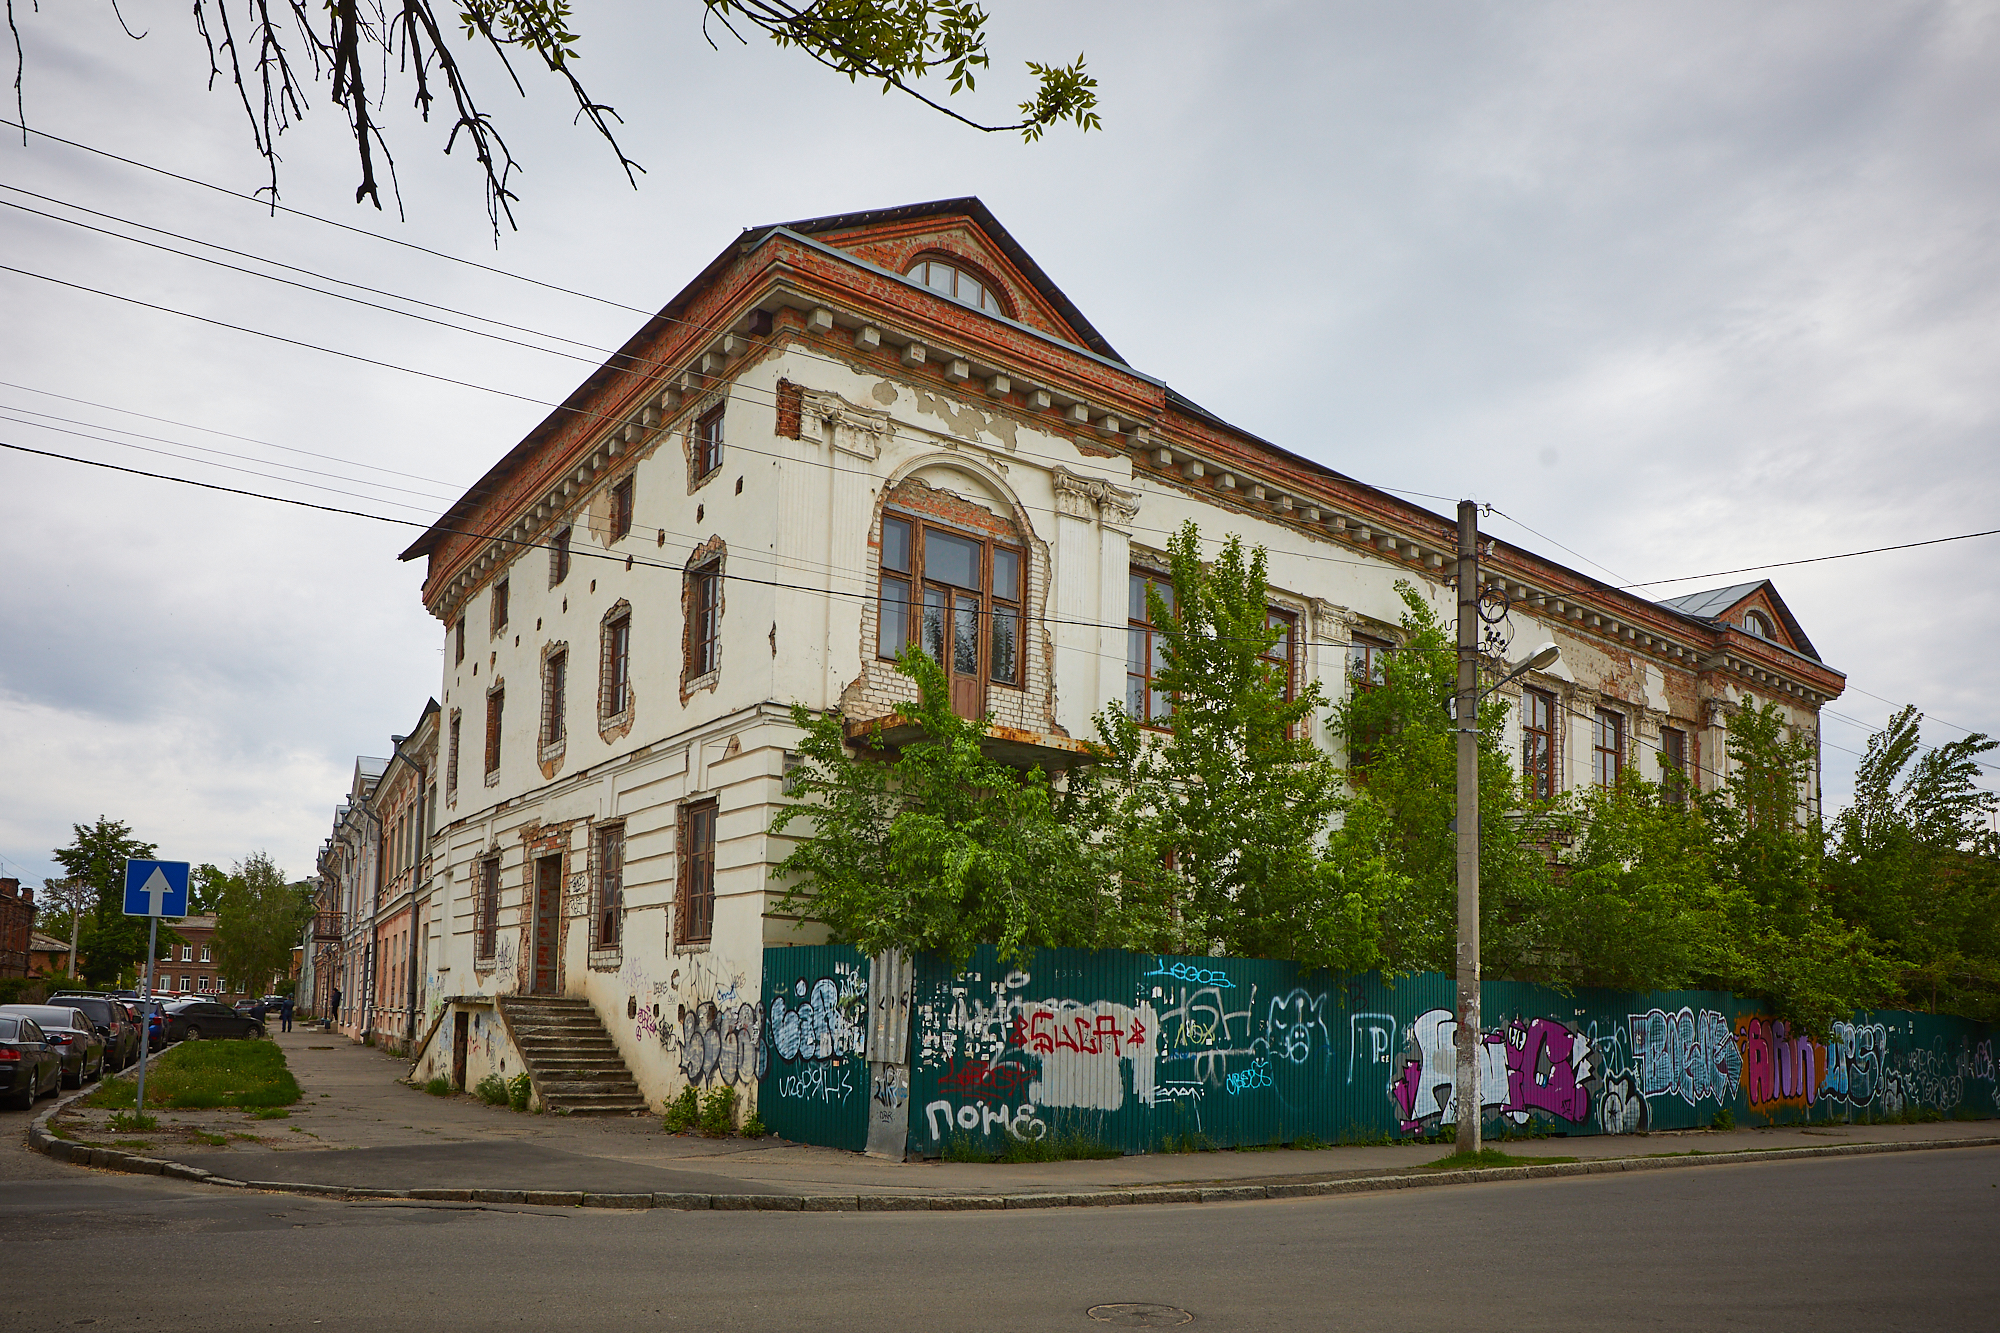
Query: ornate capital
860,431
1087,497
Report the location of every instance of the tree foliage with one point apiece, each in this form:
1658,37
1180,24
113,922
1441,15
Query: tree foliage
113,943
934,845
258,918
277,54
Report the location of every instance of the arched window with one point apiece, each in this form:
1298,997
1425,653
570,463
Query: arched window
956,283
1755,622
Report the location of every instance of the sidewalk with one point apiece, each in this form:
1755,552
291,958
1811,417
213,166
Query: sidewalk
359,1130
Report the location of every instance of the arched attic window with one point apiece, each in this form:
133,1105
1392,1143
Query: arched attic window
1756,623
948,279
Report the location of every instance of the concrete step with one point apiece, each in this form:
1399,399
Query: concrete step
576,1065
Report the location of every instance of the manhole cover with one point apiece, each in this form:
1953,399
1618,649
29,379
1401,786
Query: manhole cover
1139,1315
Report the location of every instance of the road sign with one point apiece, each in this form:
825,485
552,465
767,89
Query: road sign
156,888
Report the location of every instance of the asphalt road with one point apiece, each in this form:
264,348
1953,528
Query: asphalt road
1902,1241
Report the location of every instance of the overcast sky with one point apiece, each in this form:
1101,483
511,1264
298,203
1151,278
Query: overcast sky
1684,286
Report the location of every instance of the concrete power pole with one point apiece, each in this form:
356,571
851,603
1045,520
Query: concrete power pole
1468,1093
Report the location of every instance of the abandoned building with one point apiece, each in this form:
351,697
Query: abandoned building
846,435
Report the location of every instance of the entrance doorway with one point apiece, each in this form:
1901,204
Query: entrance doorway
548,908
461,1038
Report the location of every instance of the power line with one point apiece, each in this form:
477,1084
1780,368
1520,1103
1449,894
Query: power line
1815,559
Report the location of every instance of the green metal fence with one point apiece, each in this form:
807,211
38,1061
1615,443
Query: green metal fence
1146,1053
815,1088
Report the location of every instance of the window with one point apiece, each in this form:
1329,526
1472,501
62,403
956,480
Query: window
1367,662
187,955
451,757
206,985
616,674
704,625
499,606
708,443
486,909
1607,747
458,640
1674,764
621,500
495,703
697,873
959,285
610,885
559,557
1144,651
555,688
1758,624
1538,743
205,955
1279,655
187,983
966,594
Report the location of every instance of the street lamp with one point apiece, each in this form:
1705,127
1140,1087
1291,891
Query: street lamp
1467,725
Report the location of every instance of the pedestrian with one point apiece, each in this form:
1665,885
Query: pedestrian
285,1014
334,1017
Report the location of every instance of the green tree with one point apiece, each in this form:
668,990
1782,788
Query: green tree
276,56
1403,762
934,845
113,943
257,922
1221,824
1913,862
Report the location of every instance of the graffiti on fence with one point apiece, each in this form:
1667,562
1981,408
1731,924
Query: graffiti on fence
1526,1066
1686,1055
824,1021
817,1081
982,1118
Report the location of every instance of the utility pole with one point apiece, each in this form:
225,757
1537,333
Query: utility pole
1469,1107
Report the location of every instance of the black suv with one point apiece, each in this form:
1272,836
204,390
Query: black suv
192,1020
112,1020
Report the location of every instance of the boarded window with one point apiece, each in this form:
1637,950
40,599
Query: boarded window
486,909
495,704
559,557
458,641
695,901
555,692
499,606
615,691
609,913
451,757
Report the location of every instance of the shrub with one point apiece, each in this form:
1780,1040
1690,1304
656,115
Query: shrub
754,1127
439,1086
1724,1118
519,1089
492,1090
683,1111
718,1113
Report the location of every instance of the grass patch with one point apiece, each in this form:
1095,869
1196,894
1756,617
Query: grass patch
684,1111
439,1086
492,1090
205,1074
1069,1146
272,1113
127,1122
718,1113
212,1140
1486,1157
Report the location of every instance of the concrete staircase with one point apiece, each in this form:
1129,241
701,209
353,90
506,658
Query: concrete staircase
575,1066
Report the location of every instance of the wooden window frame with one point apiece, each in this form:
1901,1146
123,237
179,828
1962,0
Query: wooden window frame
694,888
1142,650
621,507
1607,762
708,438
1674,776
486,910
704,625
607,890
458,644
1288,662
453,731
499,608
559,554
993,604
1540,780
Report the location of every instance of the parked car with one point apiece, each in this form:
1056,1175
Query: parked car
71,1033
193,1020
29,1066
114,1021
154,1022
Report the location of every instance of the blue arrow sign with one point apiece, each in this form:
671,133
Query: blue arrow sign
156,888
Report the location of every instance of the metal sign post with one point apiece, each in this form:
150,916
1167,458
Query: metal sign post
153,889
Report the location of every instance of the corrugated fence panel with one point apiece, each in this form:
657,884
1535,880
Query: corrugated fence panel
815,1086
1146,1054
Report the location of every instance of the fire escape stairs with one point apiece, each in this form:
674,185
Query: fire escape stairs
572,1061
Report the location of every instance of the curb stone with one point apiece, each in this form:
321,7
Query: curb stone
41,1140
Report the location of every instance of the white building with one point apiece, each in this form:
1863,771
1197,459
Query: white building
848,432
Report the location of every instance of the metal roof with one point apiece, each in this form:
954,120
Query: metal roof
1708,605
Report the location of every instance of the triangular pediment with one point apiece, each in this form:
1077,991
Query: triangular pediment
1754,608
